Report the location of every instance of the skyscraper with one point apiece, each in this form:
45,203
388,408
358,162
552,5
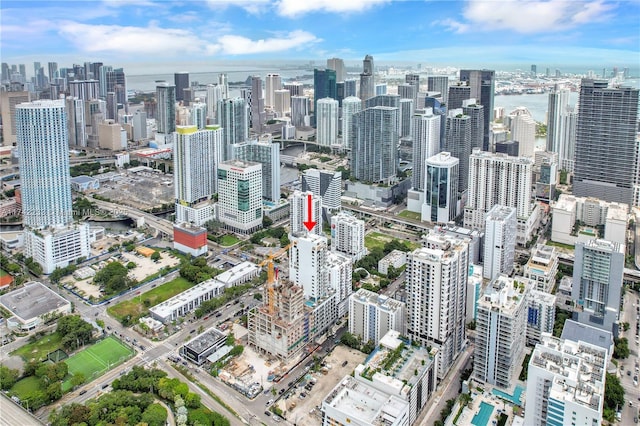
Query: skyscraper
476,114
8,102
458,143
561,128
233,116
482,84
606,154
500,241
501,328
282,102
257,104
367,80
51,238
166,112
181,81
597,282
372,315
299,212
102,77
53,71
324,86
439,83
196,154
327,185
327,122
308,265
405,114
347,236
273,82
199,114
214,94
523,130
436,293
267,153
300,111
350,106
240,195
374,149
426,143
337,65
440,188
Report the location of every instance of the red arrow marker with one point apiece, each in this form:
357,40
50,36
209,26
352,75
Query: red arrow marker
309,223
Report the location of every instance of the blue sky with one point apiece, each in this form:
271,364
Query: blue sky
593,33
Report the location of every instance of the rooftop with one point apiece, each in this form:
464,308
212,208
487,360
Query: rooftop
499,212
206,340
165,308
380,300
83,179
504,294
240,270
31,301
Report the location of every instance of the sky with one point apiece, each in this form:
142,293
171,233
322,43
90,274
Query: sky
136,33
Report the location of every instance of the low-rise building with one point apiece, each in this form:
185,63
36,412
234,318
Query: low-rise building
198,349
396,258
239,274
187,301
190,239
31,304
84,183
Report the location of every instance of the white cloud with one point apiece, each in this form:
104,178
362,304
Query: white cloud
238,45
528,17
154,40
293,8
251,6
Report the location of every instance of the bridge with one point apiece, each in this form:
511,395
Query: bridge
164,226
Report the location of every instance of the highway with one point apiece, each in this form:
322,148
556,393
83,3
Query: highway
12,414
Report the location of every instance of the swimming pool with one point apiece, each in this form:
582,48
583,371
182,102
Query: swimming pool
514,399
483,416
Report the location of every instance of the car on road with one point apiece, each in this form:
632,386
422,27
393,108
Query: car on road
82,392
267,413
269,402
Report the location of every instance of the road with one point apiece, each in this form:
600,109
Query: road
630,367
12,414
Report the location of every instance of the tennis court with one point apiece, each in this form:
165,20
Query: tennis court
98,358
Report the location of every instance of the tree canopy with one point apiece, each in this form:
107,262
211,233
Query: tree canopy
74,331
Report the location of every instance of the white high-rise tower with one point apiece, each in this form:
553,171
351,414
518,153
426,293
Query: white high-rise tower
327,122
299,212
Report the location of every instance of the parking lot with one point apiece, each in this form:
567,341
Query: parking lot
296,408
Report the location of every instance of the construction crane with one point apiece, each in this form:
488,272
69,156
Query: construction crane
271,276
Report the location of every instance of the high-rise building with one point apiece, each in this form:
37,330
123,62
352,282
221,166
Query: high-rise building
224,84
367,79
181,81
273,82
372,315
565,383
257,104
308,265
295,88
405,114
8,103
541,314
350,106
299,212
439,83
523,130
214,94
166,112
233,116
337,65
84,89
407,91
102,77
51,238
458,143
267,153
327,185
414,80
196,154
606,150
198,116
440,188
499,241
139,126
350,87
561,128
500,179
457,94
542,267
476,114
340,269
347,236
482,84
324,86
597,282
425,134
327,122
436,295
300,112
53,71
240,195
501,331
374,149
282,102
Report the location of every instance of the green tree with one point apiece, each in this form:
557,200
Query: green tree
154,415
74,331
8,377
621,348
613,392
266,221
156,256
192,400
131,265
77,379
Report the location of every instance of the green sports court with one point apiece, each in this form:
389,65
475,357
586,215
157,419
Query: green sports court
98,358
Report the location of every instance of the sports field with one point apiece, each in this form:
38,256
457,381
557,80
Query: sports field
98,358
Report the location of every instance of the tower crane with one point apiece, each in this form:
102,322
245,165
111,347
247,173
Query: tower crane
271,276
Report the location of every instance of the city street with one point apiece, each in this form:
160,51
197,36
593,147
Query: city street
631,366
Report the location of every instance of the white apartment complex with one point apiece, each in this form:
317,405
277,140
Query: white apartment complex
565,383
340,269
347,236
240,195
327,122
542,267
299,204
501,328
308,265
436,282
499,241
541,314
325,184
372,315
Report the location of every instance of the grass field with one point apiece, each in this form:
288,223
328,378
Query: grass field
26,387
378,239
38,350
97,359
410,215
228,240
136,306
